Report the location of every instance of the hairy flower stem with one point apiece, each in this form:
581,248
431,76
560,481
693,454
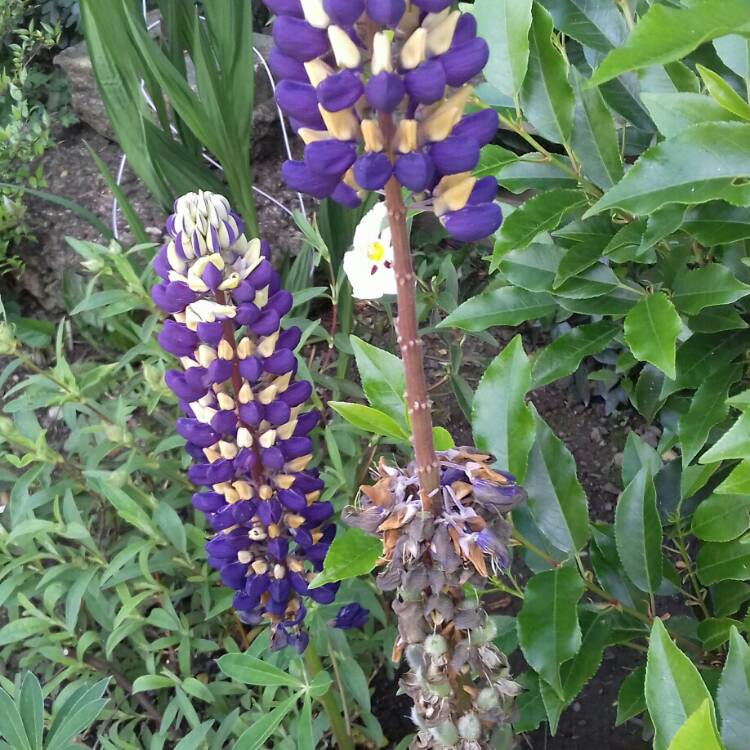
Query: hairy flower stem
343,740
418,405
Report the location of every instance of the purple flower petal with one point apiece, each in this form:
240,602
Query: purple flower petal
466,29
426,83
346,196
432,6
484,191
330,157
286,68
285,7
481,126
372,170
344,12
415,171
300,101
385,91
464,62
298,176
473,223
386,12
340,91
455,155
298,40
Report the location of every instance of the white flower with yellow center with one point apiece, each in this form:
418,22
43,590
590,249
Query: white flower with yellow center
369,264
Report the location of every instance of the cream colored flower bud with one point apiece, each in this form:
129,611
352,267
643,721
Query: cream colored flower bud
315,15
344,49
381,54
414,50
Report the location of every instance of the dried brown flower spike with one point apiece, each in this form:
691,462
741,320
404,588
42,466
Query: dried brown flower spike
436,564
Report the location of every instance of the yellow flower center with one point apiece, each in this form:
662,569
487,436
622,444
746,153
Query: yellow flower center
376,252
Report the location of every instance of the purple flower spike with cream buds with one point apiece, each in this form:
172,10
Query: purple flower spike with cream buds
390,79
244,420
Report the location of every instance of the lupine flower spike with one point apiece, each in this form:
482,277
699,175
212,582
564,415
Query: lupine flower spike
244,420
458,680
378,89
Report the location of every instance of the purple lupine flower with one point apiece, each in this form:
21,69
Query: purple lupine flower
351,616
388,80
244,422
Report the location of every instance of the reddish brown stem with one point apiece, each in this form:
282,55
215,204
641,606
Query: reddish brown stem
418,404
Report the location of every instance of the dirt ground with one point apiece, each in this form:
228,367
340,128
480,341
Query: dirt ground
594,437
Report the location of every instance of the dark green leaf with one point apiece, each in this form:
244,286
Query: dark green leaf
733,444
505,26
717,223
665,34
728,596
556,499
548,627
714,632
594,138
12,727
733,694
507,306
638,532
651,330
675,112
564,355
501,421
707,286
31,706
542,213
719,158
255,736
532,269
492,159
631,700
534,172
722,518
724,561
594,23
546,95
674,688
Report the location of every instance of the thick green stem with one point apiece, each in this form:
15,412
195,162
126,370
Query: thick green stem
327,700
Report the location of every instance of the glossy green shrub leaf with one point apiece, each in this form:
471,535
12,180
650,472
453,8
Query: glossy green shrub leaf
733,694
502,423
738,481
548,627
507,306
666,33
674,688
556,500
505,26
594,23
719,157
638,532
564,355
722,518
734,51
651,330
707,286
724,561
675,112
542,213
707,409
594,137
631,698
723,93
733,444
546,96
698,732
352,553
492,159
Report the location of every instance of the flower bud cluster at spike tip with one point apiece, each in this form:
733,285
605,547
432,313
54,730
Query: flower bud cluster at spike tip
457,678
378,89
244,415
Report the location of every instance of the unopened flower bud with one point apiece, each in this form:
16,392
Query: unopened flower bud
487,699
435,645
446,733
469,727
8,342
